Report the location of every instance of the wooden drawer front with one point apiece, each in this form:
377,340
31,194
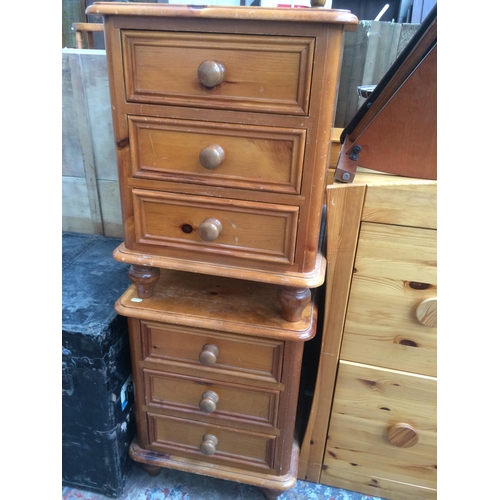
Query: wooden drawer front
250,230
253,157
271,74
395,279
401,201
248,450
250,357
219,400
367,403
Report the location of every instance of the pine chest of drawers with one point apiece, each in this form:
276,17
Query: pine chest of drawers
375,423
216,372
222,120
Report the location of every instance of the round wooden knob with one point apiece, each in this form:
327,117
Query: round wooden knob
402,435
208,447
211,73
427,312
208,403
208,355
212,156
210,229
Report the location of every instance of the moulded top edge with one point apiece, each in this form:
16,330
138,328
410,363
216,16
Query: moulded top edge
318,15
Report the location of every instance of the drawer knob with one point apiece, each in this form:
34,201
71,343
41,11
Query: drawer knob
208,355
402,435
209,401
427,312
211,73
210,229
208,447
212,156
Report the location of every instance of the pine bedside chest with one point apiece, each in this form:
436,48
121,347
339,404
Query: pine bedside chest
216,372
222,119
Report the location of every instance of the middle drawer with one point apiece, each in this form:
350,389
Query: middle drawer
221,400
217,154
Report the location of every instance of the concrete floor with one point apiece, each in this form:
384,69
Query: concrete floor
176,485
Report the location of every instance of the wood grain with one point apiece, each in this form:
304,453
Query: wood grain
264,158
402,202
387,359
368,401
229,472
182,437
219,304
251,231
268,71
376,486
281,85
395,271
221,12
344,206
400,253
233,403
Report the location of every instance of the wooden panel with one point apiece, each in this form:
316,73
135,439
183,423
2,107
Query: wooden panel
250,230
98,102
399,253
382,328
395,271
109,192
181,437
376,486
246,355
335,148
406,203
207,302
262,158
72,158
388,140
88,148
84,132
161,67
75,206
344,204
235,402
368,401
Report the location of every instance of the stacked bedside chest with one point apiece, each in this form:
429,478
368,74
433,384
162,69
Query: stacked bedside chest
222,120
217,371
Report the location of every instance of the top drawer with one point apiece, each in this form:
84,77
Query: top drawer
269,74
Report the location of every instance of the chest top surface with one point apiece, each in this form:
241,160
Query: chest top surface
221,12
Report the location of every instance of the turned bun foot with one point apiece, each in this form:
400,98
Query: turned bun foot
144,278
293,301
152,470
271,494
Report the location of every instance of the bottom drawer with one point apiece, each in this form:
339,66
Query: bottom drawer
211,443
383,425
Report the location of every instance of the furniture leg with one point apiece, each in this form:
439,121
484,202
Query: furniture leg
145,278
293,301
271,494
152,470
